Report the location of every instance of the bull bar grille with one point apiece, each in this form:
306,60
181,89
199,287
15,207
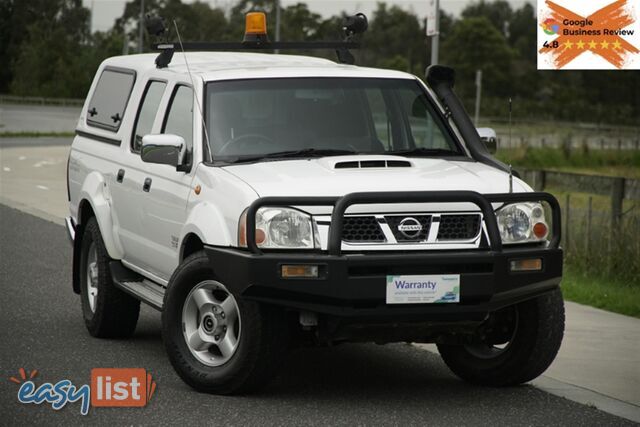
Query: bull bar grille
341,204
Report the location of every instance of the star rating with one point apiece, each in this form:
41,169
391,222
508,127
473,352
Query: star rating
593,44
567,44
617,45
580,44
604,44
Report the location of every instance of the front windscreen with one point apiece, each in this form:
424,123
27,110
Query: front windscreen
251,120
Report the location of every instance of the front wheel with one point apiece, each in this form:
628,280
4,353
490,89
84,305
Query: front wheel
217,342
517,345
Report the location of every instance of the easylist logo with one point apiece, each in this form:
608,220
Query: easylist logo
117,387
121,387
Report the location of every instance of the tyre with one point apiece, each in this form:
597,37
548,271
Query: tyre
217,342
516,345
108,312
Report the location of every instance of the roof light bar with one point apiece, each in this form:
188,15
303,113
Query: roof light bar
255,38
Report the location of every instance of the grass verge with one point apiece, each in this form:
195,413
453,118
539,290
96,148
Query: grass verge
624,163
600,292
36,134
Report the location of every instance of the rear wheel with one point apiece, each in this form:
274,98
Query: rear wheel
108,312
515,346
216,341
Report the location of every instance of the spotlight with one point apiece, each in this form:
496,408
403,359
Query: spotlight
155,25
355,24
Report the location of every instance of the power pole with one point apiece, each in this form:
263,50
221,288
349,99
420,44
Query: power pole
91,19
277,3
433,28
141,28
478,95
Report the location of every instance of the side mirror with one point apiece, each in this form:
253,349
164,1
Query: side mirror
489,138
163,149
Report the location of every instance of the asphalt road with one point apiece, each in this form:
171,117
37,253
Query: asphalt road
42,329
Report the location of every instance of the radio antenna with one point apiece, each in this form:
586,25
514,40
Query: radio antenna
510,109
510,168
195,93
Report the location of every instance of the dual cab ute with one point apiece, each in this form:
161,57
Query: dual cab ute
262,201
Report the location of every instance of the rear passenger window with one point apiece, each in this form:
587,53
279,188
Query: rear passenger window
109,100
147,113
179,119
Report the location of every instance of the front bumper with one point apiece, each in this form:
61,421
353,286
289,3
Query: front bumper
354,285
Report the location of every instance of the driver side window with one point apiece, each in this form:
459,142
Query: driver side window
179,118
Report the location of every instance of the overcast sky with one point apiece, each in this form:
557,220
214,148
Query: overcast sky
106,11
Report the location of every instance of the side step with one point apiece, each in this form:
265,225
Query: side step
137,286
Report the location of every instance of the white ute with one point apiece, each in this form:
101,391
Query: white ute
263,200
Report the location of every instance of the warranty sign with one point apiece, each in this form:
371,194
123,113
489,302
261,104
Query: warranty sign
588,35
423,289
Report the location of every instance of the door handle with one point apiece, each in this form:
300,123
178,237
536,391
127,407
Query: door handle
147,185
120,175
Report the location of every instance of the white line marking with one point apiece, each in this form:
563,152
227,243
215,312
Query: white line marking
42,187
6,169
22,158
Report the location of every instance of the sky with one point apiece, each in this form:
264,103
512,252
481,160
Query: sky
106,11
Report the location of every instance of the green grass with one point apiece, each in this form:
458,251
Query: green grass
605,271
625,163
600,292
36,134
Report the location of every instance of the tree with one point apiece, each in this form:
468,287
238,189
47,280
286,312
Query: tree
475,44
6,13
394,32
54,38
498,12
196,21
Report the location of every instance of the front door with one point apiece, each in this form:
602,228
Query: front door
165,196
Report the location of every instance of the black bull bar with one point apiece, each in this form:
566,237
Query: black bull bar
341,204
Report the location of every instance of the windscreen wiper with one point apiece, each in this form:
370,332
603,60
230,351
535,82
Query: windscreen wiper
305,152
425,152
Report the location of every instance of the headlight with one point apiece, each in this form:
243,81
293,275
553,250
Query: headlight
283,228
522,223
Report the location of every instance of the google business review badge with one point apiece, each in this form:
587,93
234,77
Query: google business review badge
588,35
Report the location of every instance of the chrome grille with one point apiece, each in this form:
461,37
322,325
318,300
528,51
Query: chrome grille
395,222
432,230
459,227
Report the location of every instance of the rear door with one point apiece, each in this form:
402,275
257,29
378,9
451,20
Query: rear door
131,172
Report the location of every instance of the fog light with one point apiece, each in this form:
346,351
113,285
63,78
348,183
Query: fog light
299,271
531,264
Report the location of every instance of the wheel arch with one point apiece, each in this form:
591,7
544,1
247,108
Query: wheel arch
191,243
85,212
207,225
94,202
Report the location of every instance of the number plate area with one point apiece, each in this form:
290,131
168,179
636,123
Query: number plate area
423,289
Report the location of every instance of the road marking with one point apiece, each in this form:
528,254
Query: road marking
6,169
42,187
43,163
22,158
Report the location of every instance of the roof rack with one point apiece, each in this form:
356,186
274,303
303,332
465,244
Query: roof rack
256,39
